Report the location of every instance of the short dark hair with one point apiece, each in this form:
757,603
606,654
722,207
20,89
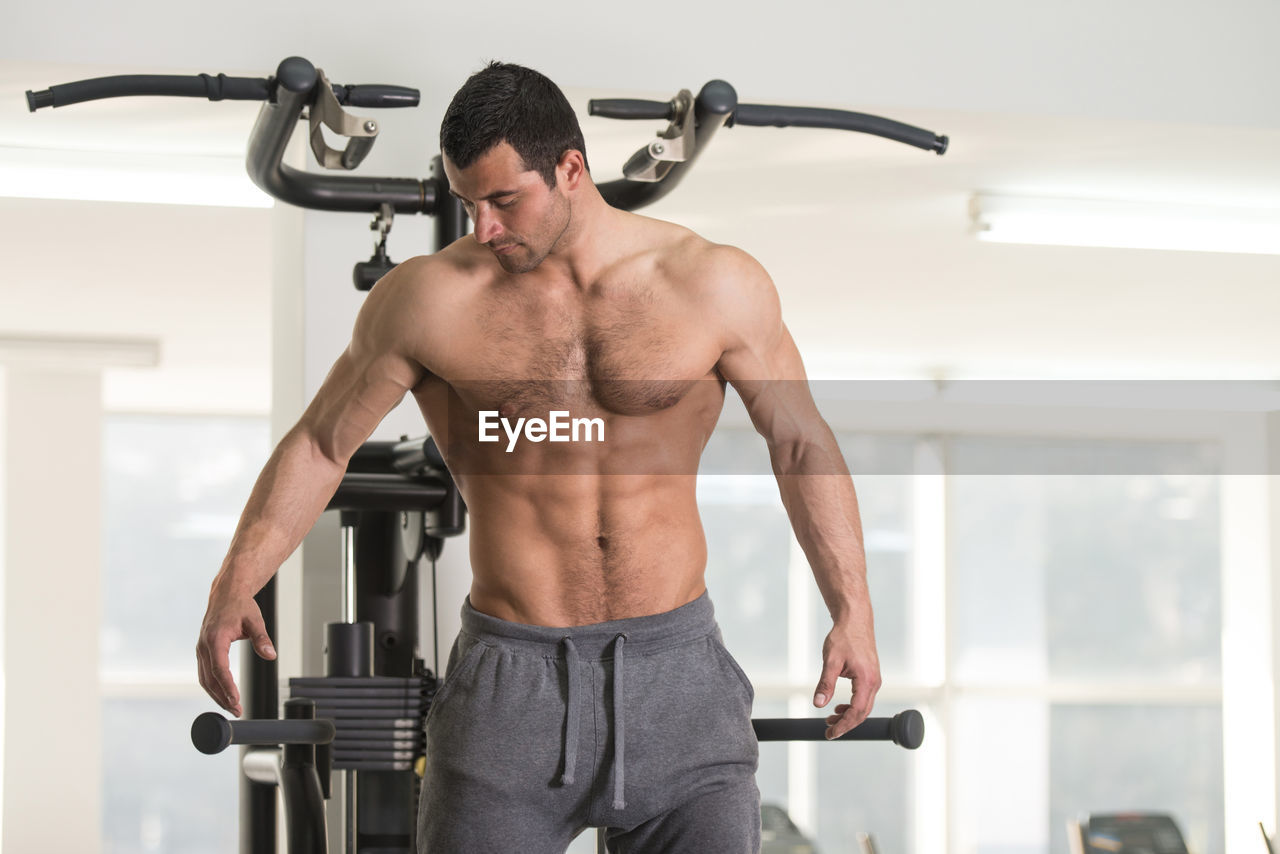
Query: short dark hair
510,103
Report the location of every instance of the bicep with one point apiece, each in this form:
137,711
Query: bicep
760,358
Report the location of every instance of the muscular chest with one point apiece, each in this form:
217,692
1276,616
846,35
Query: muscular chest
623,350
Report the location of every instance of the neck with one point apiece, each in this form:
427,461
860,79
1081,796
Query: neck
581,251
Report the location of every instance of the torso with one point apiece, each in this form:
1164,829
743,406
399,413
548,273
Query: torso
572,533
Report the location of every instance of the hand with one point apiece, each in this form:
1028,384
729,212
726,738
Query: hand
228,619
850,653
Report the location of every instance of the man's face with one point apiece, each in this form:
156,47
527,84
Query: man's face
516,215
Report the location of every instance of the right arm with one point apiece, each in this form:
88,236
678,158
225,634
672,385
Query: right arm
304,471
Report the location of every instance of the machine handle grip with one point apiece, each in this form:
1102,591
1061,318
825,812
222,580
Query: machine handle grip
763,115
630,108
377,96
215,88
905,729
212,733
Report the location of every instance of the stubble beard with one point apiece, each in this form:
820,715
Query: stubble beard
513,265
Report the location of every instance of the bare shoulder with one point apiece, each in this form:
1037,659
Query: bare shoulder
412,309
735,300
426,281
706,270
726,286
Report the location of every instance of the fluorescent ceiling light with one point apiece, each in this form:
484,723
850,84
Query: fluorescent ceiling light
112,176
1127,225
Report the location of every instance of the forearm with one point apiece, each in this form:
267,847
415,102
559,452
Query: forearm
821,502
290,494
820,499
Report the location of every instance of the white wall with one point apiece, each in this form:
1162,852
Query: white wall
196,278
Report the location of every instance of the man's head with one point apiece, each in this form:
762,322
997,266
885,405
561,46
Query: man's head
513,153
513,104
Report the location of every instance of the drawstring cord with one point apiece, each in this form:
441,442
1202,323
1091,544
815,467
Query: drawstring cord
619,726
573,713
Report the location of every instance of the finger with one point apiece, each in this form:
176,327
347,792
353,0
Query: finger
221,671
860,706
826,683
255,629
214,687
262,645
842,724
210,685
202,674
837,712
865,688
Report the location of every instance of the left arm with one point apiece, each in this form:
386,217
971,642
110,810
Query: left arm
762,363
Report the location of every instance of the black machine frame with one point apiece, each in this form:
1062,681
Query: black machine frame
397,501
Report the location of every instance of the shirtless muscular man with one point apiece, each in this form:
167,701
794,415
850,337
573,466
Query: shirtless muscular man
589,686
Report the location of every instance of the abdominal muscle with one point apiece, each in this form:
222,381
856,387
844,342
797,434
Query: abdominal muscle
571,550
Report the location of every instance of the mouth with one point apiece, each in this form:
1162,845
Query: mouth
503,250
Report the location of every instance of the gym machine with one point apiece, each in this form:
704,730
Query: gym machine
1128,833
300,91
365,716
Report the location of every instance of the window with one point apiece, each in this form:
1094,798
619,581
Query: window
173,489
1061,632
1086,641
1079,670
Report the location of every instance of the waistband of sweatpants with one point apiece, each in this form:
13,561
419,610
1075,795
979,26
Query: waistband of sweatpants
643,634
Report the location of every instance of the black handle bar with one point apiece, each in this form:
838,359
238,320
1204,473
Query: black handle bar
296,78
303,770
764,115
905,729
290,91
409,457
712,107
377,96
212,733
286,95
388,492
630,108
219,88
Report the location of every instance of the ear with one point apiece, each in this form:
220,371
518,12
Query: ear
571,169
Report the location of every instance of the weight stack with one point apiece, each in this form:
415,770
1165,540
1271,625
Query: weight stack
379,719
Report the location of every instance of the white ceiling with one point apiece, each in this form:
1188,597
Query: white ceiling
867,239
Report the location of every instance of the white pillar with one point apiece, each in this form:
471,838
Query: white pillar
1273,565
1248,675
51,568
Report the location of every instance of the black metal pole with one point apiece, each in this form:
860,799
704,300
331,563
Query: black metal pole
301,789
451,217
387,492
905,729
388,556
259,696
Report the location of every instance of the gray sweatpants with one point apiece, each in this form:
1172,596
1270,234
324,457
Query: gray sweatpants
641,726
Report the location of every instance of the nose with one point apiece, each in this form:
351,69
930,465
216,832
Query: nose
487,225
